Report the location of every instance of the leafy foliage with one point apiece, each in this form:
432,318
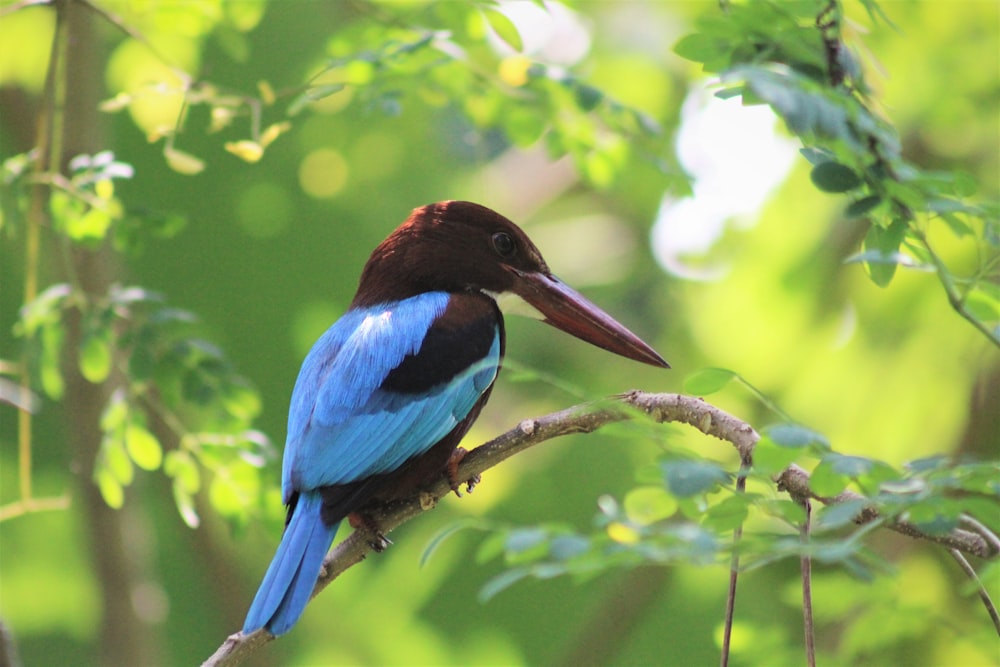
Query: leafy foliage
792,57
146,350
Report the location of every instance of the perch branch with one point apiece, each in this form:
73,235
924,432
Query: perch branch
584,418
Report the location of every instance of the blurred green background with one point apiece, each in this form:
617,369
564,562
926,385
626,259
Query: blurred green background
270,256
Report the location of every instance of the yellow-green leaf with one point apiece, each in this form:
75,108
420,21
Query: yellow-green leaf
183,163
272,132
143,447
649,504
115,461
185,505
225,494
115,411
246,150
504,28
623,533
95,356
111,490
179,465
49,368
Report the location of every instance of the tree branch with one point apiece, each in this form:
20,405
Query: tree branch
795,481
584,418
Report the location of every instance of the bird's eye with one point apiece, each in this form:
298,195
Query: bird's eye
503,244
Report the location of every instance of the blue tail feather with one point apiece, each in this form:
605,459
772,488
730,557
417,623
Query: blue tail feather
292,574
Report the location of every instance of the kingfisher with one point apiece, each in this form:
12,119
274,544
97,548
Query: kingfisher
387,392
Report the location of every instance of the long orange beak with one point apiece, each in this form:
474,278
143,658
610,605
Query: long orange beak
567,309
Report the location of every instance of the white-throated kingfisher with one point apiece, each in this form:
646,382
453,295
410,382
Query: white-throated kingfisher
386,394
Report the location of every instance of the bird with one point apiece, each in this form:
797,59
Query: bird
386,394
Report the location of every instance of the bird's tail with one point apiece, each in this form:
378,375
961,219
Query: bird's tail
292,575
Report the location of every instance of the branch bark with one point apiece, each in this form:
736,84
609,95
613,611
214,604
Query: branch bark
584,418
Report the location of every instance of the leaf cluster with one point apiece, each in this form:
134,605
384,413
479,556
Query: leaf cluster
792,57
174,402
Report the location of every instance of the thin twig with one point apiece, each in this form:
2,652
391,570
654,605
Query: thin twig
734,571
807,602
18,6
955,298
46,141
984,594
29,505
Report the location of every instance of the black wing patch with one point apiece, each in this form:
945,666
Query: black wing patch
459,338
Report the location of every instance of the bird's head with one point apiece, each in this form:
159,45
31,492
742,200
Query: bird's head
456,246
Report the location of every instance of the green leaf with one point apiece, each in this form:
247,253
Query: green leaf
783,508
649,504
929,463
226,494
686,478
701,48
524,540
95,355
982,304
143,447
566,547
587,97
503,27
89,228
183,162
115,461
850,466
241,402
826,482
115,412
179,465
111,490
502,582
523,125
834,177
444,534
838,515
936,516
45,308
49,361
877,474
491,547
728,514
707,381
770,458
885,243
816,155
185,505
796,436
860,207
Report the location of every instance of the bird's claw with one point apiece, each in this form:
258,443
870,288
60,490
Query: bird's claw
373,535
452,471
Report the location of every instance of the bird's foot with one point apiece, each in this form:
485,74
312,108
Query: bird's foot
373,534
452,472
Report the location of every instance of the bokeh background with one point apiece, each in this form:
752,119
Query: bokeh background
747,274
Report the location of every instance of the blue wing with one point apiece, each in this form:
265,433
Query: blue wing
346,422
380,387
